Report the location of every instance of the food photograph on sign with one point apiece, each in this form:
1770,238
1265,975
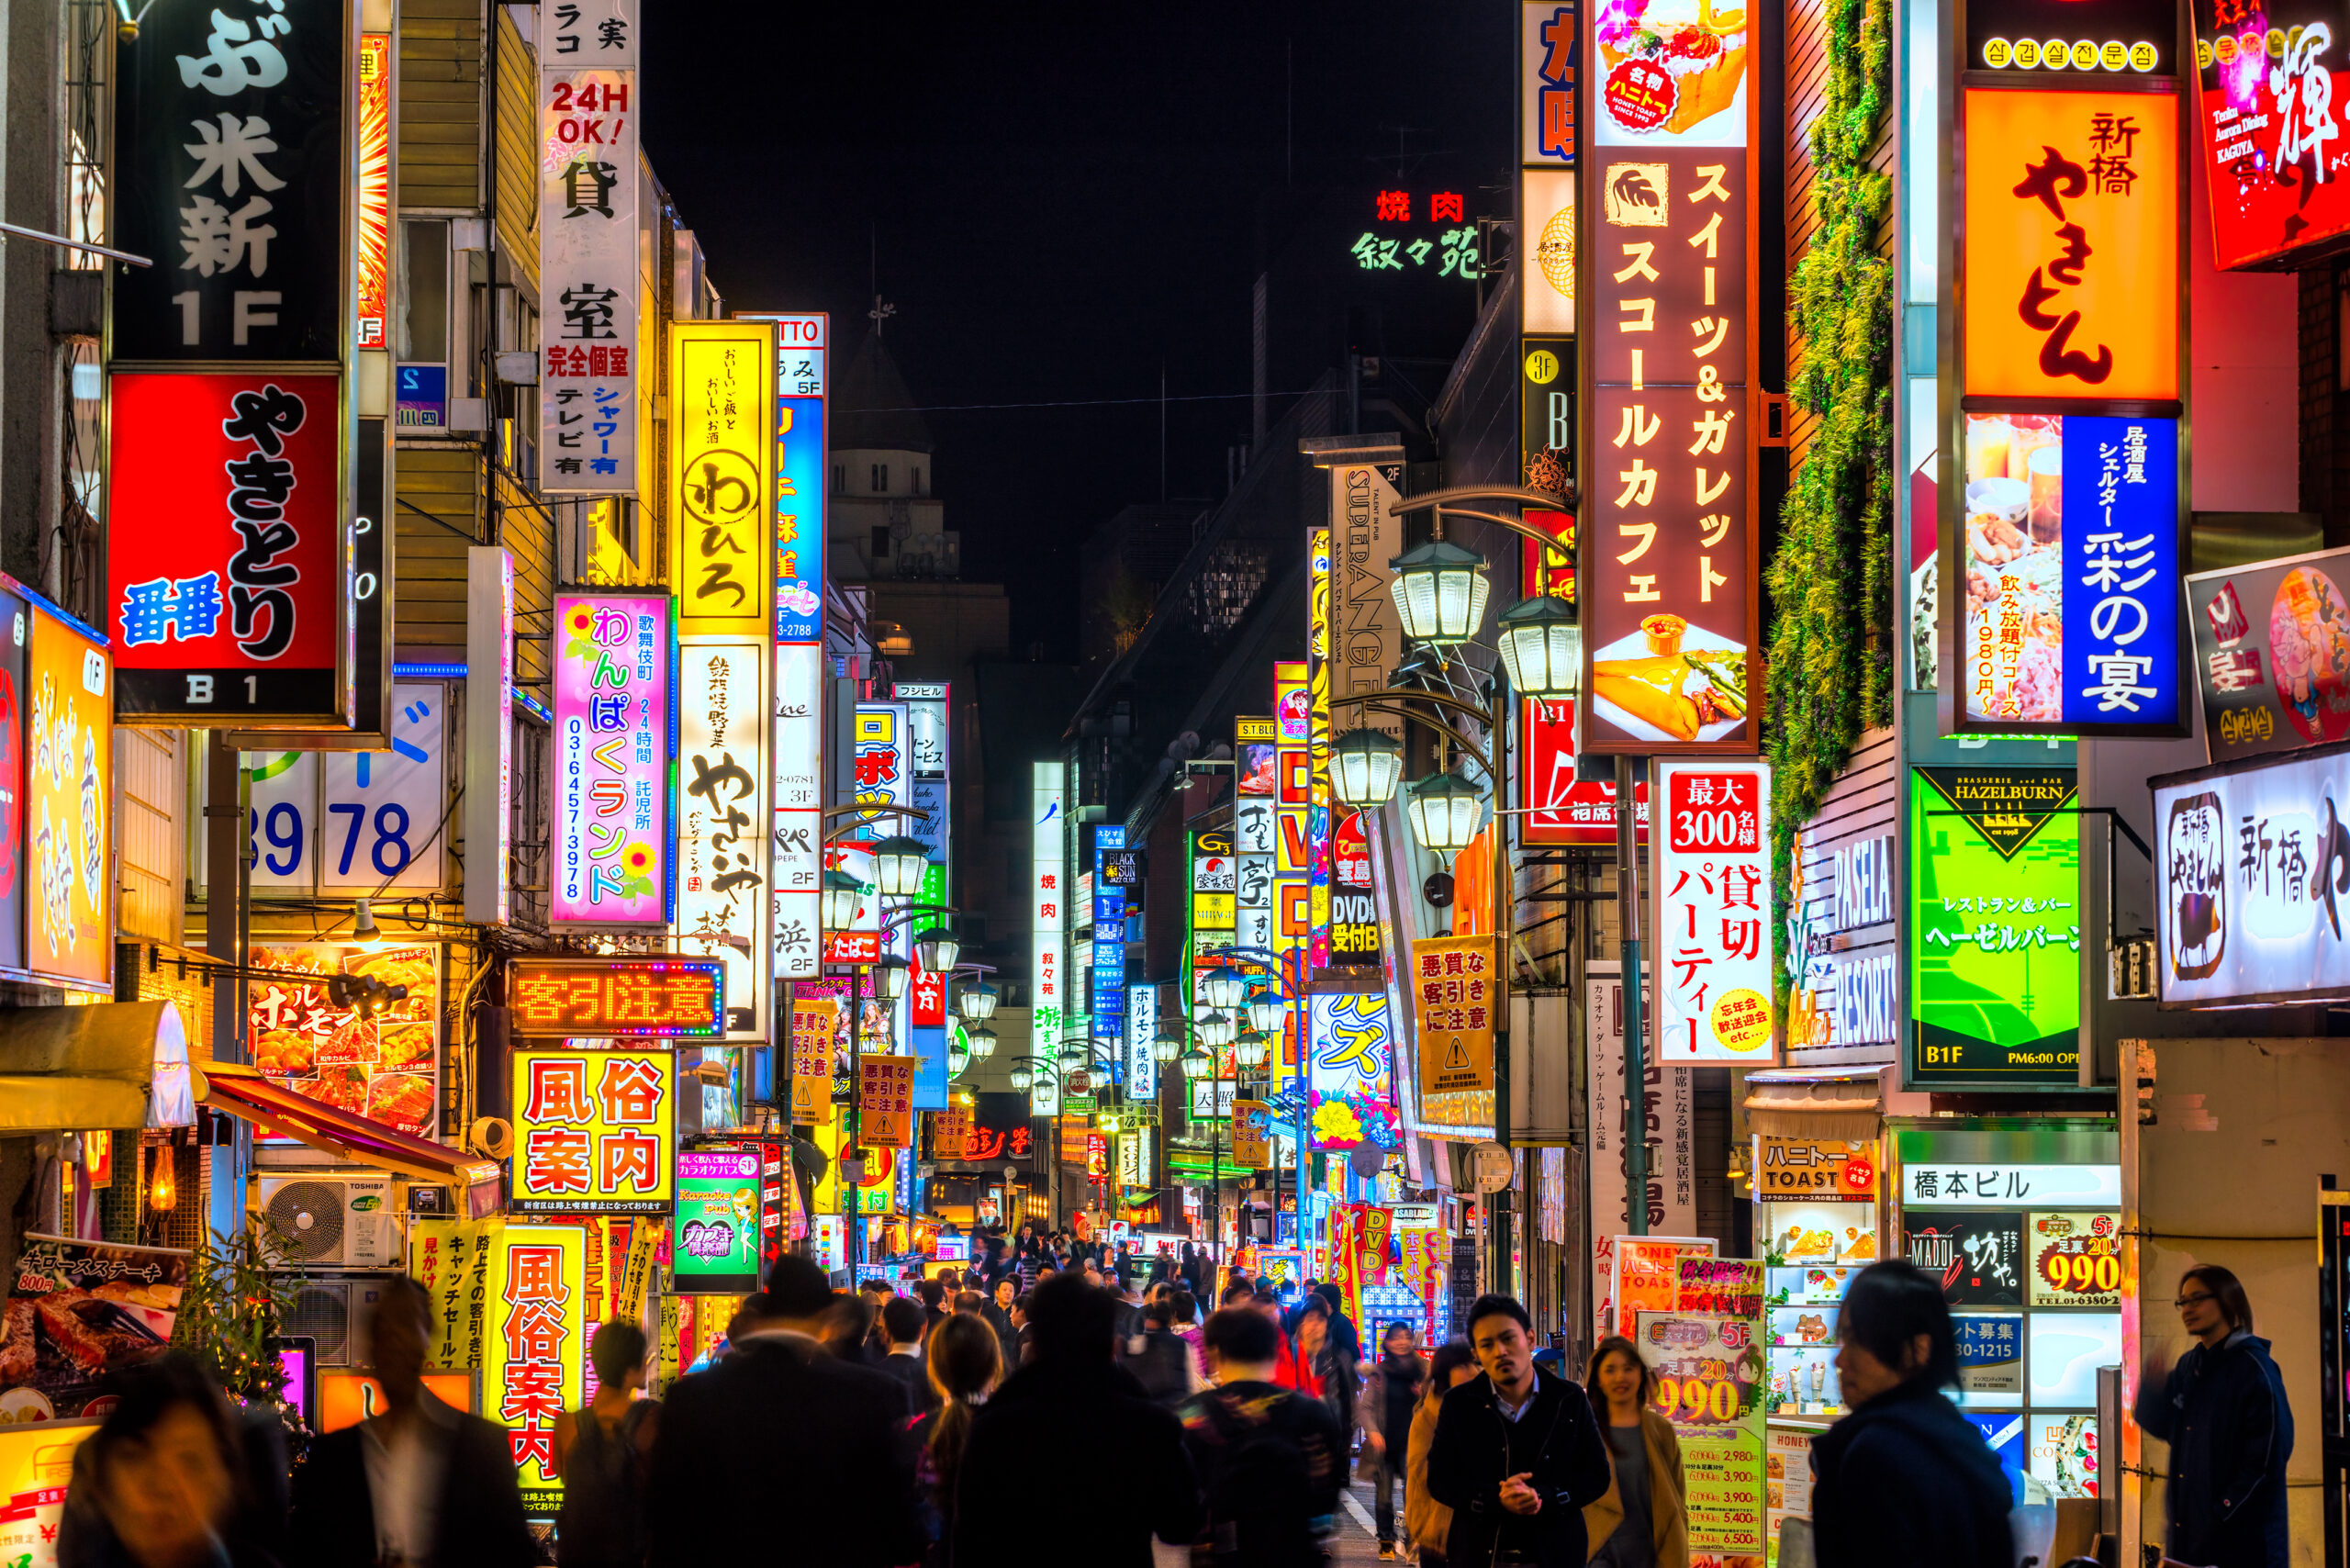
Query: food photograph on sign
1670,70
2272,653
385,1066
2073,627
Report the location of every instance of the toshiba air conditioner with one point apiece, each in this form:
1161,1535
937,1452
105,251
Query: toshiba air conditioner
319,1221
338,1314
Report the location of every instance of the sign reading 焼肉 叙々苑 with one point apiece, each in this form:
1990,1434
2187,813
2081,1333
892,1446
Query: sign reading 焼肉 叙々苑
2253,880
613,783
1995,934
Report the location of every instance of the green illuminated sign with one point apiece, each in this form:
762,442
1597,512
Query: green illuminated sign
1995,932
714,1234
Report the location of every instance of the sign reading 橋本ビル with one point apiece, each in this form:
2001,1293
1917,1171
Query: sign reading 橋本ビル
593,366
612,777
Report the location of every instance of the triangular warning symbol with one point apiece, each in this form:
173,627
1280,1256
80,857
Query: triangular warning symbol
1456,1054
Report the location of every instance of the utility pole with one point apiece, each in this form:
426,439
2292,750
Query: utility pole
1629,771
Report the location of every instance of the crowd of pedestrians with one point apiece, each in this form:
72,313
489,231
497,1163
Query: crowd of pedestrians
834,1433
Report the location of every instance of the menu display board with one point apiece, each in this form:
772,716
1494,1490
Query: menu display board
2272,653
1710,1385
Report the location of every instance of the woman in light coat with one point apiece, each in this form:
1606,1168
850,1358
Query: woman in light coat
1426,1520
1644,1460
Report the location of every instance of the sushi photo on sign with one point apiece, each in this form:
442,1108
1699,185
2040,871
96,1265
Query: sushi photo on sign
78,1311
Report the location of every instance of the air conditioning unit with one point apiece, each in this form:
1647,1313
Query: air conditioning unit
331,1222
337,1314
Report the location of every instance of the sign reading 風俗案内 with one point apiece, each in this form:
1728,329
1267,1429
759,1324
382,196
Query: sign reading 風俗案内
721,481
724,853
593,1131
593,363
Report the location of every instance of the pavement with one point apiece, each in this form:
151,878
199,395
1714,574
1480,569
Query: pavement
1357,1541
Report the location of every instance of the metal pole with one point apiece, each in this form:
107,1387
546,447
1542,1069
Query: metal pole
1627,916
223,882
1501,1207
852,1151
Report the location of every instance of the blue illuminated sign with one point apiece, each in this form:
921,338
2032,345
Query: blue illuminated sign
2121,594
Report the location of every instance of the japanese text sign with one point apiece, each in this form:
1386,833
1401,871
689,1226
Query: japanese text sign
1351,1074
2251,860
2070,226
1995,928
615,996
1712,891
589,277
1670,1132
64,847
19,848
798,860
450,1257
1710,1381
1548,52
815,1020
721,481
589,32
1978,1258
1454,998
724,853
885,1101
232,170
226,549
2075,1259
2070,616
535,1353
612,778
1816,1169
1048,923
2272,126
593,1131
1668,579
2272,653
801,480
1946,1184
714,1234
385,1068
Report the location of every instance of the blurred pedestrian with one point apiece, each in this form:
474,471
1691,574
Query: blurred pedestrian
162,1484
1159,1360
964,1367
1904,1478
1270,1461
603,1454
1071,1411
902,1331
1301,1359
1427,1522
419,1485
790,1433
1390,1391
1516,1453
2223,1413
1343,1355
998,1311
847,1329
934,1292
1643,1519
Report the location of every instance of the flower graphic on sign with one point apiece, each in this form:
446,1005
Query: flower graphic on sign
579,621
636,861
1336,1126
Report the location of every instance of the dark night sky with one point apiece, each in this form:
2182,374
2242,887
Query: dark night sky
1058,206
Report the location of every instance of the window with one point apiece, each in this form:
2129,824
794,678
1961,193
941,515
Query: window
881,542
881,478
420,327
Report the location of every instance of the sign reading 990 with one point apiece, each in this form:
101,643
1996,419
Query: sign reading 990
333,821
2075,1259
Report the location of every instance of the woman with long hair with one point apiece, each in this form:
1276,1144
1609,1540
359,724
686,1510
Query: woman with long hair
1643,1520
965,1363
1427,1522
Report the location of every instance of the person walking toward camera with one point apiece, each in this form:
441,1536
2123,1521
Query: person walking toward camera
2222,1411
1643,1520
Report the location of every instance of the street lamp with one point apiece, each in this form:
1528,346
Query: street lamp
1542,648
1440,591
897,864
890,977
839,899
1167,1045
977,1003
981,1040
1072,1055
939,948
1446,811
1216,1029
1224,988
1266,1012
1197,1063
959,1056
1251,1050
1022,1075
1364,767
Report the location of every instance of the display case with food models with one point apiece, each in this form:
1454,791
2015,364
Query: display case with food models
1817,1217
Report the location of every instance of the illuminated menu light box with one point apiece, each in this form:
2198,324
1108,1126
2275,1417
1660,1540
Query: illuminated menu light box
616,998
2277,197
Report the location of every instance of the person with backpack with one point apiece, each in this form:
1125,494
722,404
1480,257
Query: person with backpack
1270,1461
1160,1359
603,1454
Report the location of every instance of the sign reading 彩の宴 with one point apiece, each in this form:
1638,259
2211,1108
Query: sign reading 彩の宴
593,1131
721,380
588,248
723,853
1713,907
612,780
1669,551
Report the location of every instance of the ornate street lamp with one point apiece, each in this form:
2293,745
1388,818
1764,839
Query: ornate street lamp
1021,1075
1252,1048
890,973
1198,1064
1266,1012
839,899
981,1040
898,866
939,948
1224,988
1216,1029
1364,768
1072,1055
1542,648
1440,591
1167,1045
976,1002
1446,811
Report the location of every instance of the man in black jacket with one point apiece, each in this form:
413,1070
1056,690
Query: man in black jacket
1270,1461
1071,1411
1517,1452
420,1483
780,1430
2222,1411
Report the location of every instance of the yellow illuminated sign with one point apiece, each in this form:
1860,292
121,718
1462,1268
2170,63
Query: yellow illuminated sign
721,481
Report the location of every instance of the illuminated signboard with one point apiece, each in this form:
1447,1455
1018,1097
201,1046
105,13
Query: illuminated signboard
723,857
1995,928
589,386
227,601
2264,74
714,1234
612,778
385,1068
1049,922
64,846
1548,48
1548,307
1453,1003
1352,1075
535,1356
721,481
1712,889
373,233
2074,44
1319,799
799,865
802,349
615,998
489,744
2250,861
593,1131
1419,233
2272,653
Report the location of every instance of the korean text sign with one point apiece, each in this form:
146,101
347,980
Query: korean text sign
1713,905
226,550
721,482
2071,225
2070,616
2251,860
589,280
618,996
1995,933
2272,653
535,1354
724,853
2271,125
612,776
593,1131
64,850
1454,998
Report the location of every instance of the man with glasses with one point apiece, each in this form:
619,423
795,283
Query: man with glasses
2222,1411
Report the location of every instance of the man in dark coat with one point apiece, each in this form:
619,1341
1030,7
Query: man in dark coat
1073,1411
782,1430
1517,1452
2222,1411
421,1482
